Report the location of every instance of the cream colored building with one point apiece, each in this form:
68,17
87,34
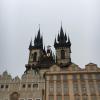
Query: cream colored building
50,77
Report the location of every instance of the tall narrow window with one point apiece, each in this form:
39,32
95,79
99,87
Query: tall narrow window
93,97
58,88
66,97
92,88
77,97
83,87
62,54
65,88
51,88
59,97
98,85
84,97
51,97
75,87
35,56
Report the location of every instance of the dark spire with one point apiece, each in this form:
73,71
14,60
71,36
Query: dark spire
55,41
58,38
62,40
65,37
62,36
38,36
61,32
35,40
44,51
69,43
38,41
30,46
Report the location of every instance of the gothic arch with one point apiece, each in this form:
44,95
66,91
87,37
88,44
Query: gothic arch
14,96
62,54
35,56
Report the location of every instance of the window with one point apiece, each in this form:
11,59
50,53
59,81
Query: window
91,86
51,88
51,78
37,99
23,85
74,77
51,97
59,97
84,97
62,54
77,97
14,96
65,88
83,87
82,77
58,77
58,87
65,77
35,85
66,97
29,99
90,77
6,86
93,97
97,76
75,87
35,56
98,85
2,86
29,85
21,99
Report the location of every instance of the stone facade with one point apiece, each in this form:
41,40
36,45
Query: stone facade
50,77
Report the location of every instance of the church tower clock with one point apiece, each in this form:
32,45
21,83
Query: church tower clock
63,51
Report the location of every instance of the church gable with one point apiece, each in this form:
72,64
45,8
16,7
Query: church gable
55,68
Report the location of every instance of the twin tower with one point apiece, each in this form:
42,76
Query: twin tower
40,58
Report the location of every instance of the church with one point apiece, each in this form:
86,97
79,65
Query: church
50,76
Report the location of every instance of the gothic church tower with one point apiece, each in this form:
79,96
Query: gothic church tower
63,50
36,50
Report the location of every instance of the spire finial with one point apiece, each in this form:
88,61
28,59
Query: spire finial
31,40
61,23
39,27
69,40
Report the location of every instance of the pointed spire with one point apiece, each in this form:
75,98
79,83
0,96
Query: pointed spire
65,37
61,32
38,36
62,38
58,38
30,44
44,51
69,41
35,40
55,41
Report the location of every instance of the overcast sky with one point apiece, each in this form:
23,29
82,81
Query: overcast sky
20,19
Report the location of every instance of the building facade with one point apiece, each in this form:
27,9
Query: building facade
52,77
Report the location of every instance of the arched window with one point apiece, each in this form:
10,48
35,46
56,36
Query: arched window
62,54
35,56
14,96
